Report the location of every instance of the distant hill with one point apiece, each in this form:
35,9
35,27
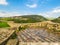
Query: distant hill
30,19
26,19
57,20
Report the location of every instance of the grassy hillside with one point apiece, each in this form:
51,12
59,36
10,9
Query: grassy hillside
57,20
29,19
26,19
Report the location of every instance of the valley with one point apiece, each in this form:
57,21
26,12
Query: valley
19,33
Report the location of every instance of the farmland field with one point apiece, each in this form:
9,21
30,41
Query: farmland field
3,24
36,35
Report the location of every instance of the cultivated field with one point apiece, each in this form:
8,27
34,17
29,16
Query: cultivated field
36,35
5,34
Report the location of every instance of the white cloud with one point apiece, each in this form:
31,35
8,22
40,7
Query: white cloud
56,10
34,3
31,6
3,2
7,14
53,13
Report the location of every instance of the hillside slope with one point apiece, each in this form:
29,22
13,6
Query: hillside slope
25,19
57,20
28,19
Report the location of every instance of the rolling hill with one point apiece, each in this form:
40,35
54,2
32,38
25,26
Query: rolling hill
25,19
57,20
28,19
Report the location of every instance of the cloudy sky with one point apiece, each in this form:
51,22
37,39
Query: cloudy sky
46,8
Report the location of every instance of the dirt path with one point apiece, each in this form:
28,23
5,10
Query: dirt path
12,24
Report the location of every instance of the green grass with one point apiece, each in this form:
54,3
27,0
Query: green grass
3,24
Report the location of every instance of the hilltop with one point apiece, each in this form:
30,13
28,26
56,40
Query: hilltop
26,19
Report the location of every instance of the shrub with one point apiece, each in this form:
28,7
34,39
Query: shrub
23,27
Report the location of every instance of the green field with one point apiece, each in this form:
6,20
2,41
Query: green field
3,24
